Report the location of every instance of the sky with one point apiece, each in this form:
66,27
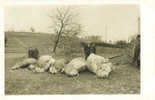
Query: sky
110,21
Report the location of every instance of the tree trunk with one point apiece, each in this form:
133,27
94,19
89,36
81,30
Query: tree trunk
57,41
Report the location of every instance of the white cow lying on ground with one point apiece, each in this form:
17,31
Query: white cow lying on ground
40,65
44,63
75,66
99,65
25,63
58,66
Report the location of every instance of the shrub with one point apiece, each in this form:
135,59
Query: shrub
121,43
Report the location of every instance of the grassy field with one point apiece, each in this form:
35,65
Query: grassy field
125,79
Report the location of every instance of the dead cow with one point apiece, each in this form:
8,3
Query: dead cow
41,65
75,66
58,66
44,63
33,55
99,65
24,63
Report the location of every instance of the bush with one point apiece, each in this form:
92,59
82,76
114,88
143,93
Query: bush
121,44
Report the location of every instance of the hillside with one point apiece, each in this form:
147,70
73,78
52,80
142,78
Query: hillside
125,79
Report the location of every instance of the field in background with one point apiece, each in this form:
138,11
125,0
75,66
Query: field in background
125,79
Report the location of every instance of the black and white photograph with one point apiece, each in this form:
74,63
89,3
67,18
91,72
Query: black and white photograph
72,49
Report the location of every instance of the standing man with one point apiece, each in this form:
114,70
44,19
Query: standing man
6,40
136,56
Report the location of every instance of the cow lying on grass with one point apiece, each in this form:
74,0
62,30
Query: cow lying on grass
99,65
58,66
44,63
41,65
25,63
94,63
75,66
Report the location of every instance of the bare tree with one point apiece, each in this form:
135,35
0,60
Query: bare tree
64,23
